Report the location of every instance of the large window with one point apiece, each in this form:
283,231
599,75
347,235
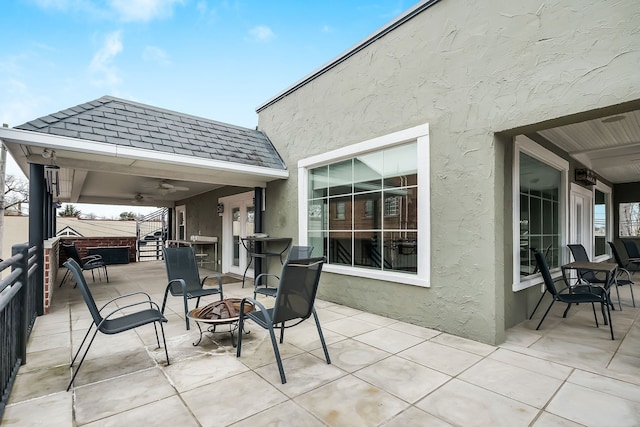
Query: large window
363,209
601,221
539,215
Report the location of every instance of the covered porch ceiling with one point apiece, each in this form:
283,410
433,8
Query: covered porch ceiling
116,152
125,177
608,142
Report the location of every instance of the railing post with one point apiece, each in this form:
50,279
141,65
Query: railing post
24,298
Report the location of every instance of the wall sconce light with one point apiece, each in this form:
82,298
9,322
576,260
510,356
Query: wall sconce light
49,154
220,208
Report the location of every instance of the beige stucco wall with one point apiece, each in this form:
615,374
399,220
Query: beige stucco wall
469,69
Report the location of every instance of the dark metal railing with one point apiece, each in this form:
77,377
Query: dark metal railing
18,311
151,231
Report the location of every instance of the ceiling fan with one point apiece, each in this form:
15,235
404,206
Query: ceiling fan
139,198
165,187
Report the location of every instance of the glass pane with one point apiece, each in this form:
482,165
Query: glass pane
318,240
629,222
401,209
367,250
367,172
367,211
401,252
399,164
340,213
340,178
317,218
340,248
235,231
250,221
318,182
600,223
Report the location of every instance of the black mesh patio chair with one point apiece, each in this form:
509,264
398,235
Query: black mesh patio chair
296,252
184,278
576,295
294,302
87,263
115,321
622,272
632,251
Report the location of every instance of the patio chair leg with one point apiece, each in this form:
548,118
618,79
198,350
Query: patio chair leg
164,341
538,304
618,294
545,313
610,322
186,310
593,306
564,315
277,353
633,300
324,345
81,360
240,328
64,278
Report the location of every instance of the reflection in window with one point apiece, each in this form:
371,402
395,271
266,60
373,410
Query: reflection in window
629,222
539,213
600,223
363,211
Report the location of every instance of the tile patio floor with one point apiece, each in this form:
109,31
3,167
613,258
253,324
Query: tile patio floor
384,372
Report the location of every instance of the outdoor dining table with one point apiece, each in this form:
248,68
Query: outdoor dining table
608,268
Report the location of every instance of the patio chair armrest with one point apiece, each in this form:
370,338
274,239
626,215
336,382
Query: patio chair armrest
182,283
218,276
624,271
91,258
126,296
257,282
255,303
151,303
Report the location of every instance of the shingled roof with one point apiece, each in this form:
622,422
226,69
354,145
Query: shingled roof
120,122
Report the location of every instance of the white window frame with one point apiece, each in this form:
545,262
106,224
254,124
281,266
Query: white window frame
533,149
604,188
419,134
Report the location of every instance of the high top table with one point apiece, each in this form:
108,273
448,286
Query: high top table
263,248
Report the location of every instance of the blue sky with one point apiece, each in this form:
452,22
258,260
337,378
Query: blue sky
214,59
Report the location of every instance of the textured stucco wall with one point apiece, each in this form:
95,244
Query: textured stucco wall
469,69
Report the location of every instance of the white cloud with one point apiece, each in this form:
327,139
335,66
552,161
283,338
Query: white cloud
327,29
143,10
155,54
261,33
102,63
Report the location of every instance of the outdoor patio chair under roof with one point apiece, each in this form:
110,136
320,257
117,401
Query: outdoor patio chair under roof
622,272
88,263
577,295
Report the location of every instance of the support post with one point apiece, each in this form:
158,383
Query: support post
36,227
257,228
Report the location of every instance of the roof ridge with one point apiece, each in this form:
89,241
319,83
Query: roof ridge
177,113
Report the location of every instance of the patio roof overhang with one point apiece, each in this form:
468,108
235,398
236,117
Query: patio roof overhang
103,173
